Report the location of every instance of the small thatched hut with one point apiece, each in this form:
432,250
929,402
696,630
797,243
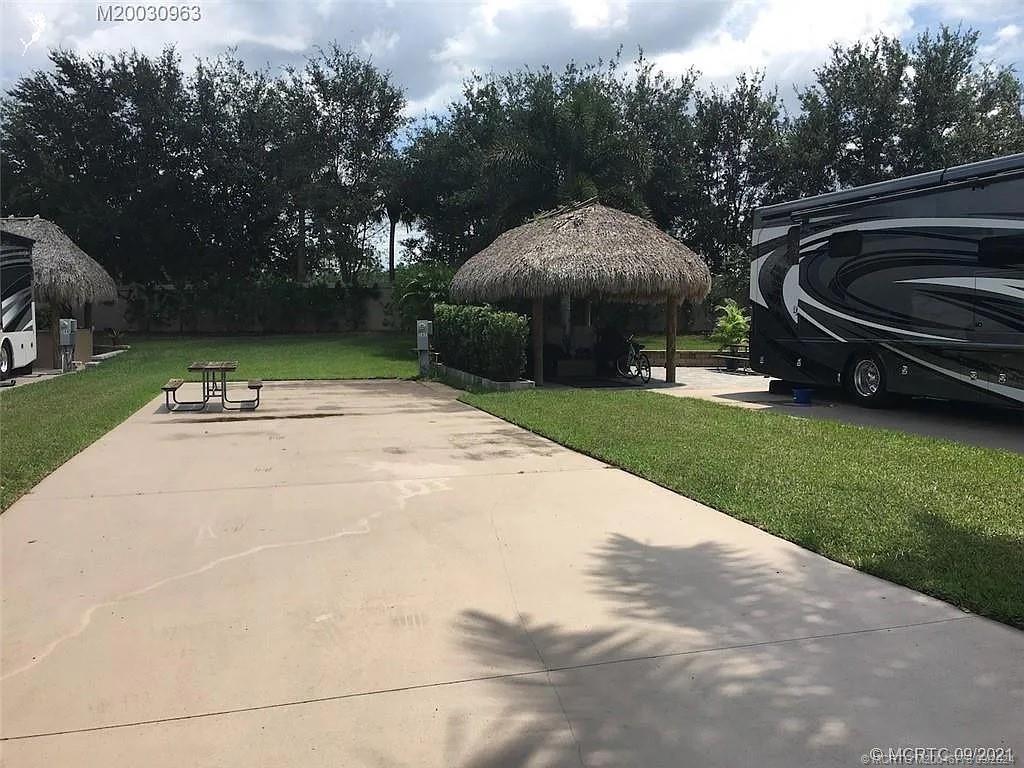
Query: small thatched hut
63,274
586,251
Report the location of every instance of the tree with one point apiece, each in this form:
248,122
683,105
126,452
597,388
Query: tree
659,111
855,109
236,194
231,171
95,145
739,162
957,110
521,143
878,111
446,159
358,113
227,173
395,180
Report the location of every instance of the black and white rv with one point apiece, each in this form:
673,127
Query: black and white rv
913,286
17,309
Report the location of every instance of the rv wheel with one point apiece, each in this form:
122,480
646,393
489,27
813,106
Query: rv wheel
5,360
865,379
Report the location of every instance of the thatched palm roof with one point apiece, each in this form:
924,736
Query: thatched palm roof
587,250
62,272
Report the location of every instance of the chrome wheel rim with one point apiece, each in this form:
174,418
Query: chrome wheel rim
867,378
5,360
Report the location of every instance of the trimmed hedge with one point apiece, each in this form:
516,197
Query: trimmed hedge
481,340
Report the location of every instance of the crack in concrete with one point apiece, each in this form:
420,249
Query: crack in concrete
484,678
407,489
316,484
533,643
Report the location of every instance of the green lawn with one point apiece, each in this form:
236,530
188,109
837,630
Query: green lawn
944,518
45,424
657,341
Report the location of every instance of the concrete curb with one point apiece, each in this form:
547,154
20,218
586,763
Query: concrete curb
464,380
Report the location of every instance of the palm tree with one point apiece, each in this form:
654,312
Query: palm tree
394,204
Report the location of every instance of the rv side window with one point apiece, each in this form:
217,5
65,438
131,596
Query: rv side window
1001,251
842,245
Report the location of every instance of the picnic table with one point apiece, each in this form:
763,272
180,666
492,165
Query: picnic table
733,357
215,384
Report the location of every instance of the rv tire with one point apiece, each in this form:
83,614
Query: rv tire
6,360
865,379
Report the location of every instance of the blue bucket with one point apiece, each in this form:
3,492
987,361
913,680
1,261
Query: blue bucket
802,396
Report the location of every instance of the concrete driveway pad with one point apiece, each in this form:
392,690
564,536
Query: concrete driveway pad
371,573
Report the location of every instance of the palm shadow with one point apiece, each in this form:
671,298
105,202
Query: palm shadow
755,666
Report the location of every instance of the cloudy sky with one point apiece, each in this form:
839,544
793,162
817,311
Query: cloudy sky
431,46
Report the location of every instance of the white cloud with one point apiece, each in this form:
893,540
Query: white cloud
433,102
220,26
1009,32
379,43
430,46
1007,45
786,38
598,14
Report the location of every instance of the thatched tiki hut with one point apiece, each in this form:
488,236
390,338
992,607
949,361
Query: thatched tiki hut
585,252
64,276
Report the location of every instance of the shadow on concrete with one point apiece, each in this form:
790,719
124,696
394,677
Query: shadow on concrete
970,423
645,697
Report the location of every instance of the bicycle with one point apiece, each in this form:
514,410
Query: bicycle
634,364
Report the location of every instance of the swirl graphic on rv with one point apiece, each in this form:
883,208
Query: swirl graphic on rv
913,286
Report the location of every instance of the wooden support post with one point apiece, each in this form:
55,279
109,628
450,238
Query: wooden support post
565,319
587,306
671,314
55,332
538,341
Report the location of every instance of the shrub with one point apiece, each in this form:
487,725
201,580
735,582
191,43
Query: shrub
733,325
418,288
481,340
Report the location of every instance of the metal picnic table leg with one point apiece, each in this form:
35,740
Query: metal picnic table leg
242,405
186,405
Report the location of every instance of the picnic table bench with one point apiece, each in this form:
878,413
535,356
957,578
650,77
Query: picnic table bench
215,385
737,354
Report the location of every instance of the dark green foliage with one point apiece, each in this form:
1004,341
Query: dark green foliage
736,168
698,161
173,178
271,304
481,340
878,110
732,326
418,288
732,278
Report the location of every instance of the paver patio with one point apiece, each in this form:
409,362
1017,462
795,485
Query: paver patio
371,573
